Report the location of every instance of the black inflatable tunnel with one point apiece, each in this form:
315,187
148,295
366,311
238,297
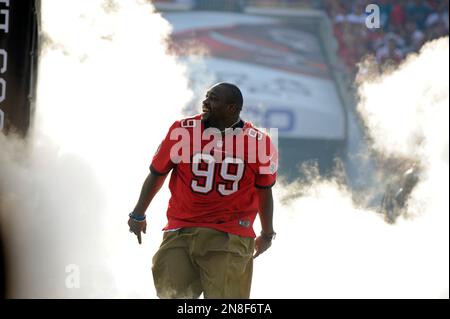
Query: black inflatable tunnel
19,28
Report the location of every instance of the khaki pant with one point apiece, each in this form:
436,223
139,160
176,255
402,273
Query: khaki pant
195,260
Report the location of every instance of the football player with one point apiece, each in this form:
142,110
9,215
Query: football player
222,172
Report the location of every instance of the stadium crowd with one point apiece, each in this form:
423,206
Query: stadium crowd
405,25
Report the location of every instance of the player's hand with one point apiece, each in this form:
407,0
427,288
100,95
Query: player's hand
261,245
137,227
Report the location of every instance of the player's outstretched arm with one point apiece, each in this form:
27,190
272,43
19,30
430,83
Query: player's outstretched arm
264,241
152,185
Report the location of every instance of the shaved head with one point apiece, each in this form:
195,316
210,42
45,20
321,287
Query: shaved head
222,105
232,94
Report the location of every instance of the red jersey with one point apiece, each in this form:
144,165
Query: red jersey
215,176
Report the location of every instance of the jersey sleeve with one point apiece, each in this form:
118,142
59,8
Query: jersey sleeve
162,163
267,164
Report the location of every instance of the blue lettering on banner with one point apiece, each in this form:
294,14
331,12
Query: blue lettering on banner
277,117
283,119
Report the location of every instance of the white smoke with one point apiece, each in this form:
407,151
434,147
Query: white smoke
107,94
327,248
108,91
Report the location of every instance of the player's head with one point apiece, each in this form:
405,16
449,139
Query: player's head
223,101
